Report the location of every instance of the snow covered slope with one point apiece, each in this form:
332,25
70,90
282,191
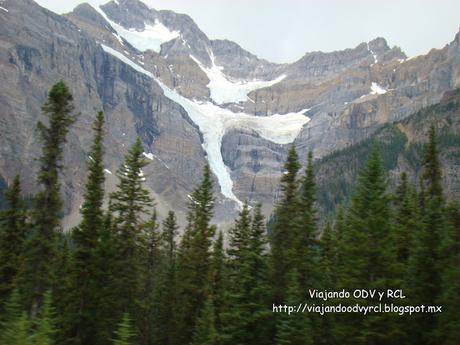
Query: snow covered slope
151,38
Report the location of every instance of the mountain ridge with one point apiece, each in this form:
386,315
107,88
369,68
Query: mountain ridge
346,96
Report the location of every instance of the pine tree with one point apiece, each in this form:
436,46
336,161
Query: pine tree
15,328
285,226
12,238
125,333
86,237
194,260
36,275
129,204
45,328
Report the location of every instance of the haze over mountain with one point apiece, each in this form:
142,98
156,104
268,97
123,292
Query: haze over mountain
193,100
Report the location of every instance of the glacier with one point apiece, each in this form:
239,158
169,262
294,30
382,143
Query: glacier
224,90
151,38
213,122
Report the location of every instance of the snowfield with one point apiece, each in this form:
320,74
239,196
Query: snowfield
151,38
224,90
376,89
213,122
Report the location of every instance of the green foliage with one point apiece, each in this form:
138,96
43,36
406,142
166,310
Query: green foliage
45,328
129,203
205,333
12,238
40,254
87,236
285,224
15,328
194,265
125,333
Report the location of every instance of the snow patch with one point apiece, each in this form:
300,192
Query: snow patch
151,38
4,9
376,89
153,156
126,60
373,54
224,89
108,171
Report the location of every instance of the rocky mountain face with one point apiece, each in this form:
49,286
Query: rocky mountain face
401,145
193,100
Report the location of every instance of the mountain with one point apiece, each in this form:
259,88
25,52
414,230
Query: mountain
401,145
191,99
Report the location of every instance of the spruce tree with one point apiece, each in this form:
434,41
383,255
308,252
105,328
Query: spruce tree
195,260
247,288
12,238
165,289
305,241
305,249
106,295
151,271
294,329
129,205
36,275
448,330
424,263
205,331
86,237
45,323
367,253
15,328
219,280
285,226
125,333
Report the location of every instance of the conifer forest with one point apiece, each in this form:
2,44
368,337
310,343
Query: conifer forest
126,276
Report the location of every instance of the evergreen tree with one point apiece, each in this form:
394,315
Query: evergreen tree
424,263
294,329
151,267
36,275
219,280
164,327
106,271
367,257
129,203
247,287
86,237
448,330
125,333
205,332
195,260
305,249
12,238
307,246
15,328
45,328
285,226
